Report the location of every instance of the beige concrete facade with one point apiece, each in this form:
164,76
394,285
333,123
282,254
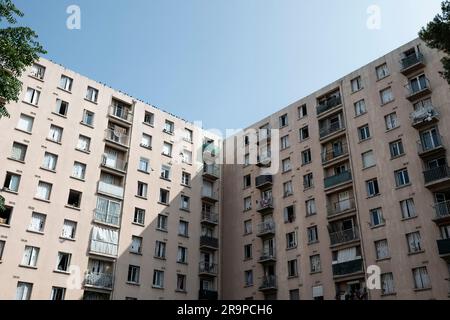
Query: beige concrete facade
347,227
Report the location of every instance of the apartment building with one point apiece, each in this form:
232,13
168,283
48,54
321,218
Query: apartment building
363,181
106,197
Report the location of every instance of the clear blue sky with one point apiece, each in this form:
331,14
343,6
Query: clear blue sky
228,63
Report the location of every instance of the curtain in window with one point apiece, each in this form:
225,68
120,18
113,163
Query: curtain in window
387,283
55,133
14,183
23,291
421,278
135,244
315,263
317,291
104,240
37,222
43,191
345,255
68,229
25,123
414,241
382,249
78,170
49,161
83,143
167,149
30,256
17,152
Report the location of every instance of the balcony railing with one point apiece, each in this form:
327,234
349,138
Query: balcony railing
113,163
339,207
107,217
208,267
427,145
211,242
267,255
342,236
414,91
424,115
268,282
121,113
211,170
337,179
263,181
329,104
437,173
207,295
334,127
442,210
444,247
210,217
117,137
103,247
411,60
264,159
110,189
264,134
207,194
100,280
333,153
265,204
348,267
267,227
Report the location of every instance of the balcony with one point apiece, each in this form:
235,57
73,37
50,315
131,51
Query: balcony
264,160
412,63
341,207
442,211
263,182
344,236
266,229
430,146
110,189
265,205
209,242
418,91
99,280
267,256
328,131
114,163
209,196
210,217
207,268
264,134
348,268
108,218
269,283
121,113
436,176
329,104
207,295
444,247
118,138
338,179
103,248
334,153
211,171
424,116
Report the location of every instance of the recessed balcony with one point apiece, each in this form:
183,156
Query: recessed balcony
437,177
263,182
267,256
328,104
424,116
412,63
104,248
209,217
110,189
430,146
113,163
265,205
266,229
121,113
209,242
444,247
209,196
334,153
339,208
211,171
418,89
207,269
268,283
109,218
330,130
207,295
442,211
264,160
348,268
344,236
337,180
117,138
99,280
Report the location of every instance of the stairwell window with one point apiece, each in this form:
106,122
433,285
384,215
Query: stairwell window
133,274
25,123
421,278
55,133
408,208
372,188
396,148
61,107
387,283
37,223
291,240
360,107
92,94
32,96
65,83
44,190
376,217
63,261
382,249
158,279
402,177
12,182
364,132
391,121
414,242
386,96
30,256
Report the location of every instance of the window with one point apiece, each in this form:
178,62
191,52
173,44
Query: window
63,262
292,268
58,293
304,133
247,159
5,216
247,203
44,190
143,165
247,181
396,148
162,222
149,118
187,156
65,83
168,127
182,255
18,151
88,118
368,159
376,217
142,189
183,228
248,251
364,132
356,84
372,188
391,121
32,96
294,294
302,111
247,226
185,202
418,83
69,229
181,282
286,165
92,94
164,196
167,149
291,240
23,291
360,107
30,256
61,107
158,279
382,249
401,177
84,143
185,178
308,181
306,157
188,135
310,207
165,172
382,71
50,161
133,274
139,216
414,242
283,120
421,278
79,170
289,214
287,189
285,142
408,208
136,244
37,71
313,235
55,133
386,96
25,123
2,248
12,182
315,263
146,141
37,223
387,283
248,278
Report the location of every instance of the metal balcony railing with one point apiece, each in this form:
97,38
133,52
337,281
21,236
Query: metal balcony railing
267,255
442,209
210,217
209,242
121,112
265,203
330,103
209,194
334,127
113,163
110,189
208,267
337,179
117,137
266,227
341,206
207,295
443,246
100,280
333,153
263,180
264,134
424,115
342,236
429,144
212,170
348,267
411,60
268,282
417,87
437,173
